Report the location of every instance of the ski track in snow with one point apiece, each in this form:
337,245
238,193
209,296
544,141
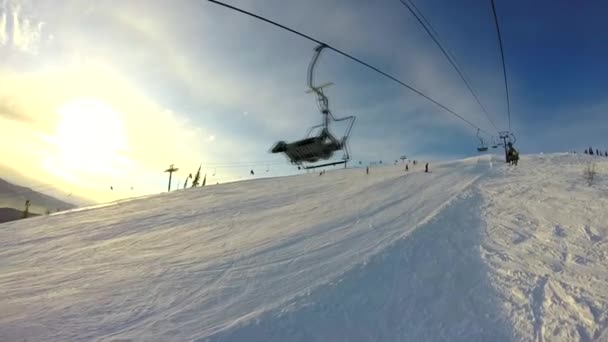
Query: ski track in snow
474,251
429,286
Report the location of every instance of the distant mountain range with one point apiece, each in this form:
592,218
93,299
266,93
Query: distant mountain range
13,198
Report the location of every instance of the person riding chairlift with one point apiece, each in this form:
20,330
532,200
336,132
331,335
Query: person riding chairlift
512,154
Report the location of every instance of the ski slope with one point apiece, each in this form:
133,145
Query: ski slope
474,250
546,244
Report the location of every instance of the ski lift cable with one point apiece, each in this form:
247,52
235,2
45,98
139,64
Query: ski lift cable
504,69
428,24
435,37
275,163
352,58
237,163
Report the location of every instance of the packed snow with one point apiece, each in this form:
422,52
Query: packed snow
475,250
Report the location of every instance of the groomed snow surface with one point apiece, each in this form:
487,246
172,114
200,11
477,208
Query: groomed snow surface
473,251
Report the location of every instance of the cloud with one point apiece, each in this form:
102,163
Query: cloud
154,135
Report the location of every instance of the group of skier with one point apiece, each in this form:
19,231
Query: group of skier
426,168
512,159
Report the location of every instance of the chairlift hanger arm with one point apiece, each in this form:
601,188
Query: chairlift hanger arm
322,100
311,66
313,128
352,119
481,142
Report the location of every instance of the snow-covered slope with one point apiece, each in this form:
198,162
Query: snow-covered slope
472,251
546,245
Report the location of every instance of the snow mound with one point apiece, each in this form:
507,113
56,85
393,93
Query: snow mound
474,250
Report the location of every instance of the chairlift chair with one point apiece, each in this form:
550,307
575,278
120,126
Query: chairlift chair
482,146
322,146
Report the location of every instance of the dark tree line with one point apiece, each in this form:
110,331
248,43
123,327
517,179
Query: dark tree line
597,152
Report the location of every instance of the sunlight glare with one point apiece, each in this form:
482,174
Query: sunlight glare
89,138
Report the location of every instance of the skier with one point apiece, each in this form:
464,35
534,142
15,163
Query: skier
426,168
406,168
367,170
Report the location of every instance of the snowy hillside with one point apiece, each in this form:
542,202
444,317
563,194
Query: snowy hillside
475,250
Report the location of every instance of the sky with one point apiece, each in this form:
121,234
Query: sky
100,94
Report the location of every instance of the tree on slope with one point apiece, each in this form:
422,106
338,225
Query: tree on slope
186,182
26,212
197,177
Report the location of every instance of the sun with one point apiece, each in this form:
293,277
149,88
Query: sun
89,138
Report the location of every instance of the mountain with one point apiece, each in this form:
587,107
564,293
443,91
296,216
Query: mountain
475,250
14,196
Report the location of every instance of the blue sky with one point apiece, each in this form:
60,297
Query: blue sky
190,82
